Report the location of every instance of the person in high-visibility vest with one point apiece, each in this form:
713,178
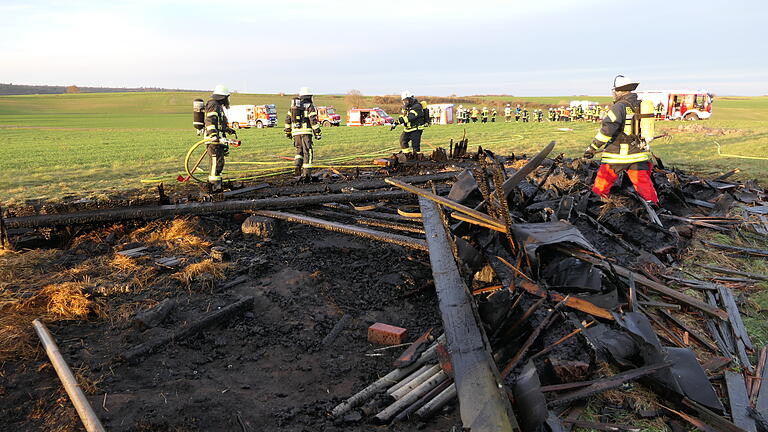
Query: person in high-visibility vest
301,125
475,113
507,114
216,127
551,114
485,115
493,115
539,115
623,145
412,119
525,115
660,111
518,111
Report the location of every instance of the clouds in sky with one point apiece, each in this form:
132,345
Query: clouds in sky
555,47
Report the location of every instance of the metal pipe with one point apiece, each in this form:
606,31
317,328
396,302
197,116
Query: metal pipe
409,378
76,395
438,402
385,381
419,380
389,412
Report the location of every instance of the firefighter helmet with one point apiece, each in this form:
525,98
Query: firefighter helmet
305,91
507,104
622,83
405,94
221,90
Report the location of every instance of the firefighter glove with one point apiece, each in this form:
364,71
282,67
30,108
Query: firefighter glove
318,135
589,152
287,132
231,131
401,120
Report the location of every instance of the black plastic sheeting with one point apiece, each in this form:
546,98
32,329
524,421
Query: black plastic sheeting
635,344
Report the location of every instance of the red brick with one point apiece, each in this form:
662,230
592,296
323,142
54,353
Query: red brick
385,334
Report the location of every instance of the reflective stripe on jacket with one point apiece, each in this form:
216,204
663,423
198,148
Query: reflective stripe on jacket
620,133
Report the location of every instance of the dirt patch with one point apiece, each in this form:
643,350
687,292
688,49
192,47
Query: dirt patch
266,369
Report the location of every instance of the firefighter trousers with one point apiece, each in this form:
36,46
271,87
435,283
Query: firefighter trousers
304,154
412,137
641,179
217,151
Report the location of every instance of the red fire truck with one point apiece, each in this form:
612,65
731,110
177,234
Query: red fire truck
680,104
368,117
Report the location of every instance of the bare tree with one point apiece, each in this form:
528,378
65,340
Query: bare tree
354,99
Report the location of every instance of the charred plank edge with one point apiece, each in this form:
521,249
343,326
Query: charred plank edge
739,401
607,383
483,406
396,239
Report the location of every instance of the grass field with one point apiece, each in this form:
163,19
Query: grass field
86,144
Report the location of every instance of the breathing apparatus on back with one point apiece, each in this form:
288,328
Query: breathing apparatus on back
198,115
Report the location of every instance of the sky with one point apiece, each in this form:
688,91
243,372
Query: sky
521,48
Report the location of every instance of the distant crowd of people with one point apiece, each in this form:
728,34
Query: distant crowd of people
592,113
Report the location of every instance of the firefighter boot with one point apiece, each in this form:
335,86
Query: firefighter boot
298,162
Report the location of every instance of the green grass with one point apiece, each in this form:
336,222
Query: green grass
57,145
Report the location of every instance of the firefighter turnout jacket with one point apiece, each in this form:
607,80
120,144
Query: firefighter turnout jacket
412,116
620,133
301,118
215,119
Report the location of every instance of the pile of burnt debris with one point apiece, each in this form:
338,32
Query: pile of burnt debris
548,294
523,265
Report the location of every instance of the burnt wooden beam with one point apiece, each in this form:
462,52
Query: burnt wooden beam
367,233
482,405
208,320
748,251
734,272
601,385
205,208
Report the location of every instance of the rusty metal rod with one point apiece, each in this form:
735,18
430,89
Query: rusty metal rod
397,239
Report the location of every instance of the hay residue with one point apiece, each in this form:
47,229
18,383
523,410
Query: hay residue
201,271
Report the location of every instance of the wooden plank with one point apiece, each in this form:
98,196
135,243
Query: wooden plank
483,406
739,401
734,316
423,193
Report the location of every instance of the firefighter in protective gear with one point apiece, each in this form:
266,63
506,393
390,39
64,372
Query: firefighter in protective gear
475,113
518,111
216,128
539,115
525,115
301,125
507,114
493,115
412,119
622,144
484,115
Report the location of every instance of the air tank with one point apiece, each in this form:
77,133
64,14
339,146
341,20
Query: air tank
198,114
647,128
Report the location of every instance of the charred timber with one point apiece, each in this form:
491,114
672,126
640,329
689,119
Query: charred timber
483,406
154,212
208,320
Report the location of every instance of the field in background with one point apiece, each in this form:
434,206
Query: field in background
86,144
